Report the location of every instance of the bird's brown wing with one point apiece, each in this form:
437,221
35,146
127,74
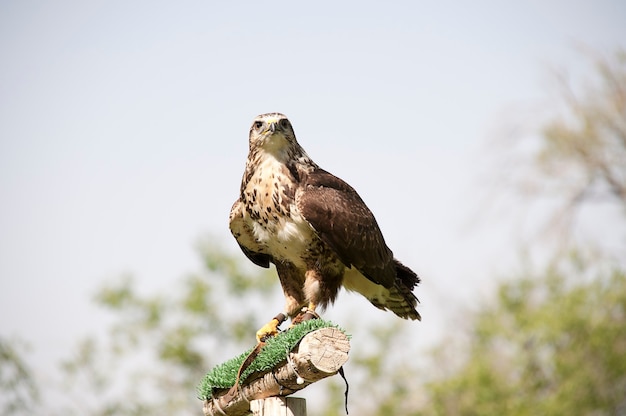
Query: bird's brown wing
343,221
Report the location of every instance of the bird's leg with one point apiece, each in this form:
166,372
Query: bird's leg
309,312
305,314
271,328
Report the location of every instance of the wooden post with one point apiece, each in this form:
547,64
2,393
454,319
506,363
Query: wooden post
279,406
319,354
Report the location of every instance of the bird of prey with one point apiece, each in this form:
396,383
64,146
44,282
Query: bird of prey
314,228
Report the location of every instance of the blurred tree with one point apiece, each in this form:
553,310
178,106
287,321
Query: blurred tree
19,393
159,347
552,342
582,151
568,156
551,345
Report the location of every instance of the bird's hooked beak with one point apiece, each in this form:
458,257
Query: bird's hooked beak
271,124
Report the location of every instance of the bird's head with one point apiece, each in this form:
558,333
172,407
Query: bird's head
272,132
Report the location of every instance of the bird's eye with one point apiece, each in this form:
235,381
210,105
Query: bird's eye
258,125
284,123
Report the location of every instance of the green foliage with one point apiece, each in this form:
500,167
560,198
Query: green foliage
19,393
159,346
550,345
551,342
273,352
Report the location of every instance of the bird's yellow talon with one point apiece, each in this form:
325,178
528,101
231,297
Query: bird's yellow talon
271,328
267,331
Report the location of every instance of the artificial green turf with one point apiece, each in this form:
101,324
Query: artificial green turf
273,352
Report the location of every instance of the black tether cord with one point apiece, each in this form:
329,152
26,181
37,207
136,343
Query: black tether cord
343,376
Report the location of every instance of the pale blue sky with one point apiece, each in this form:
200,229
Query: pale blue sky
123,130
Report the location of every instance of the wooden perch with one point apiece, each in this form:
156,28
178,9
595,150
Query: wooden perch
319,354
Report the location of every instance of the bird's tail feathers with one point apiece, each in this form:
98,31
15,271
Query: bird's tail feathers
401,299
407,277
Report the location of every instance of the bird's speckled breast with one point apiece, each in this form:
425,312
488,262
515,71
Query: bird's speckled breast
271,212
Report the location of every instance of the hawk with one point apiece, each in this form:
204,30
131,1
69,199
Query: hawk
314,228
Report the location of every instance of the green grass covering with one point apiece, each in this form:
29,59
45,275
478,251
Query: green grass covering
273,352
